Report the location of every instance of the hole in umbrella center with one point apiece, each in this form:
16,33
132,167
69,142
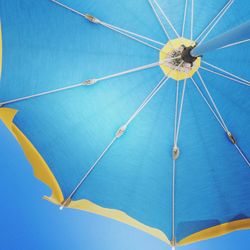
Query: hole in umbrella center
173,65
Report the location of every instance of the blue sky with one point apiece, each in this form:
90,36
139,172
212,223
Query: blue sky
29,222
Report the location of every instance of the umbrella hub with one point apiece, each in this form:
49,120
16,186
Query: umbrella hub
175,53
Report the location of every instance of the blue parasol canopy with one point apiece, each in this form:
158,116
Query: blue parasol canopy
120,115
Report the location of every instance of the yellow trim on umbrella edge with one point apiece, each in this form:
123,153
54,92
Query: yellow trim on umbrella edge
40,167
44,174
216,231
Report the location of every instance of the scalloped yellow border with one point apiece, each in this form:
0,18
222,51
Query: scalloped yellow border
41,170
44,174
216,231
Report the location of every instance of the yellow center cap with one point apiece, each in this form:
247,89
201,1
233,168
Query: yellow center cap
173,65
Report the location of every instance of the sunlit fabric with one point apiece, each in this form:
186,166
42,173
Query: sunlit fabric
46,47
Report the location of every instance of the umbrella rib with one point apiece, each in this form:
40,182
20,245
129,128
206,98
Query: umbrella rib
184,19
124,32
131,33
40,94
135,69
177,122
206,101
118,134
212,101
225,76
152,94
236,43
215,23
85,83
173,241
180,112
129,36
214,19
68,200
159,19
229,134
176,110
147,100
166,18
192,20
226,72
69,8
162,25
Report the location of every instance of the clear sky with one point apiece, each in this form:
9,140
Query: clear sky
29,222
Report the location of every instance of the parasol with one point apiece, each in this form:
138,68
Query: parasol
138,111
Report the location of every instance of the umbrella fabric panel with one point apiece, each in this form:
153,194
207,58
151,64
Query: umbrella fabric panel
41,118
223,59
47,47
135,16
59,49
62,121
136,176
210,168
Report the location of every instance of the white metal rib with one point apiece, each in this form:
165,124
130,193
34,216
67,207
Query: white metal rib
212,101
114,28
174,163
228,77
242,154
181,110
184,19
222,120
236,43
124,127
208,104
222,125
129,36
159,19
167,19
132,33
192,19
40,94
173,203
148,99
215,23
208,26
226,72
233,76
88,173
144,67
151,95
176,111
68,8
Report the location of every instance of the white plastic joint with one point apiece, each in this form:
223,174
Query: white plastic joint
89,82
65,203
121,131
176,152
173,243
231,137
92,19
